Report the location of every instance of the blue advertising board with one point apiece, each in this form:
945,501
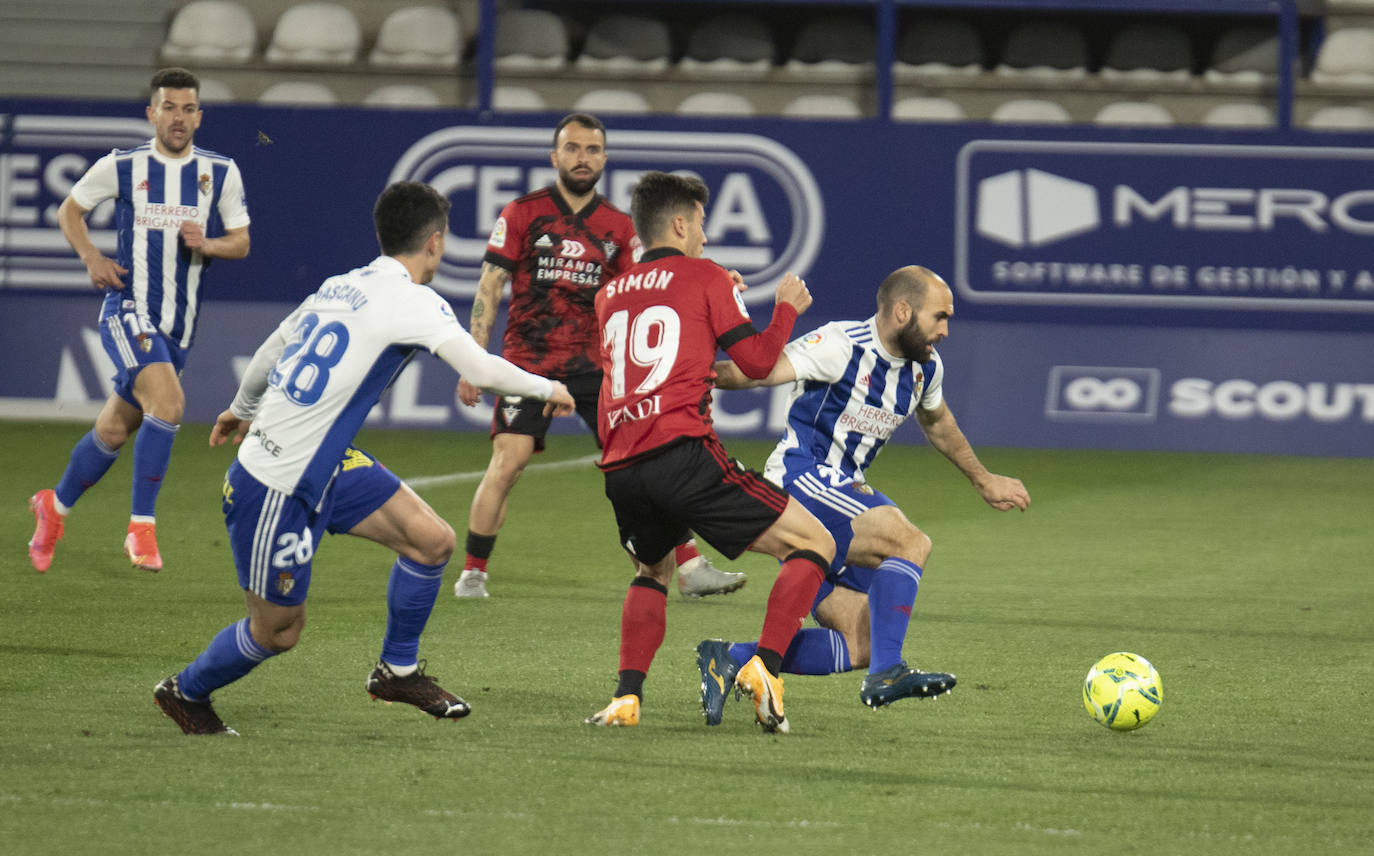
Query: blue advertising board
1163,289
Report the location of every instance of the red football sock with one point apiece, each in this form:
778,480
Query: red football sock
471,561
789,601
643,622
686,551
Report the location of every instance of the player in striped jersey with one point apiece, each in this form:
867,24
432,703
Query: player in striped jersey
306,394
177,206
854,383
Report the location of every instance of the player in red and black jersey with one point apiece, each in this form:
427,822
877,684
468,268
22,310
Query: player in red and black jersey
556,247
666,471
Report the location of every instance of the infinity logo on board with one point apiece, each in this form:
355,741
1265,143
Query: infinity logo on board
765,216
1102,394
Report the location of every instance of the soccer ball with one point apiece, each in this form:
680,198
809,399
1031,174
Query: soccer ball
1123,691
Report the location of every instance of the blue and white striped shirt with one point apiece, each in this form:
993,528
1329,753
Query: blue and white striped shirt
849,397
154,195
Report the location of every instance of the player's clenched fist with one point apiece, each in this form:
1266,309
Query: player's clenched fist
792,289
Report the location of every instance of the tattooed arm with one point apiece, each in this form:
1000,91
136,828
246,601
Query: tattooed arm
484,308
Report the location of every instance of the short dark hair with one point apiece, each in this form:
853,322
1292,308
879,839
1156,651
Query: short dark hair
659,196
406,214
586,120
172,78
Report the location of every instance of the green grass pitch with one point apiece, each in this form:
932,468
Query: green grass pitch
1247,580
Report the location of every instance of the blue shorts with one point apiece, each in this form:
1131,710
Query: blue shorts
274,535
836,500
133,343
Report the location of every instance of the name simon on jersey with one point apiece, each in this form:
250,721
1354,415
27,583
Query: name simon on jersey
573,270
650,281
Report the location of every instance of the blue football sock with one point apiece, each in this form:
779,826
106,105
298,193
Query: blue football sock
410,597
230,655
152,454
814,651
890,599
90,460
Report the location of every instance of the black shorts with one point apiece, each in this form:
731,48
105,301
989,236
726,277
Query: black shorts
692,485
526,415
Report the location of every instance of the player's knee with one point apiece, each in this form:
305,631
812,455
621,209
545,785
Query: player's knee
278,637
169,407
916,547
434,545
824,545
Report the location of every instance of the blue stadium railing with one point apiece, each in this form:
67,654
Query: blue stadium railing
885,11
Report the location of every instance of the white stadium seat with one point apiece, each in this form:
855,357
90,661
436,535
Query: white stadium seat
823,107
715,104
1351,118
1137,113
214,91
1242,114
517,98
211,31
418,36
925,109
402,95
315,34
298,92
1031,111
612,101
1346,56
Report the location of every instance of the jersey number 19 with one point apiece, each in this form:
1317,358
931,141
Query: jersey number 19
650,342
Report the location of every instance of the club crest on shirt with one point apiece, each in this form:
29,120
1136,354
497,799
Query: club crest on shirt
285,582
609,249
205,184
860,487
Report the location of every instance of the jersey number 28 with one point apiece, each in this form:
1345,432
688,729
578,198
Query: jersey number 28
302,371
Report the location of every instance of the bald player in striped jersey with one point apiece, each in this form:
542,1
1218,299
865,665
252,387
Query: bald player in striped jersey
853,384
177,207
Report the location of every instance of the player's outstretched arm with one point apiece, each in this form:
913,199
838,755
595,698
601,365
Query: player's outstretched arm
489,290
730,376
229,426
942,430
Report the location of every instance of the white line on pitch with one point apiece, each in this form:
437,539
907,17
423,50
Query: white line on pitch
476,475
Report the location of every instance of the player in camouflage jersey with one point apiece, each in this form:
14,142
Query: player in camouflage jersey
556,247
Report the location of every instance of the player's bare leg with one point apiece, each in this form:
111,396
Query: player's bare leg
510,453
